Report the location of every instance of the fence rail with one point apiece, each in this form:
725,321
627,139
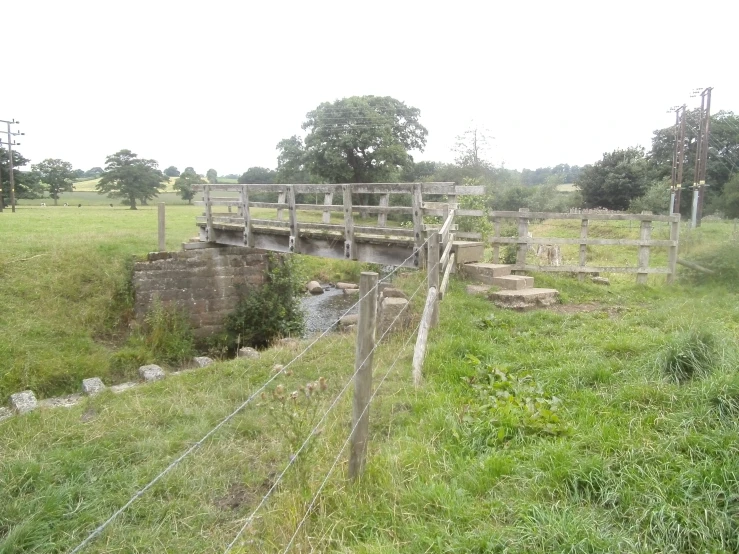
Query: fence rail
644,243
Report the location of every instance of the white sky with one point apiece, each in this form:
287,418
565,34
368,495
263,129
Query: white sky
219,83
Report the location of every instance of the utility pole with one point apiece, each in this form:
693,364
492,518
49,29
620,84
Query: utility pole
705,95
680,160
10,143
696,171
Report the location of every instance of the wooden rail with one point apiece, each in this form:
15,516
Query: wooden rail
348,238
644,243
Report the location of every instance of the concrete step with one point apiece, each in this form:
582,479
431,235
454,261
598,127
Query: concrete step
524,299
467,251
514,282
485,273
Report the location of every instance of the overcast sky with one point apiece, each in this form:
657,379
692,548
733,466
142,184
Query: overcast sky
219,83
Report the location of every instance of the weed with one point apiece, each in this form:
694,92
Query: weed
689,354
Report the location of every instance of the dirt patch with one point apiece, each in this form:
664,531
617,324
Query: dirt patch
586,307
239,495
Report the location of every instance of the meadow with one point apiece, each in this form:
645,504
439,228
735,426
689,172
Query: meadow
609,422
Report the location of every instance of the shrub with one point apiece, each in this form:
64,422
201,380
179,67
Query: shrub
271,310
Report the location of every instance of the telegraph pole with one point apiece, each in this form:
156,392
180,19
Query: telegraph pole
673,177
680,159
705,95
697,170
10,143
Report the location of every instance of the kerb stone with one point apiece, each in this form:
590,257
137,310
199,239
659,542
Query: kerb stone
93,385
151,373
23,402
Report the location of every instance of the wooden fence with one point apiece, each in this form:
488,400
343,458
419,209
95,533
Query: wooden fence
243,229
643,243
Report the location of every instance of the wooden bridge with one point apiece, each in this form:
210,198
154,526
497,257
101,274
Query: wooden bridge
345,229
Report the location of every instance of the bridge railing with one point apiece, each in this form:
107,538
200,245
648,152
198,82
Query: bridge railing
417,200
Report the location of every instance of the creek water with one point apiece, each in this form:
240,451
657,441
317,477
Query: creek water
322,310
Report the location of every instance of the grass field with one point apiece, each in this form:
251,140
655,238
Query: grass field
558,430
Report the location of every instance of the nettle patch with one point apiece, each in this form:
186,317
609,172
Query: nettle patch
503,407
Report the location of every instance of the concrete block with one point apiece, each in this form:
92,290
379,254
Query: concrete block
514,282
151,372
394,312
524,299
248,352
22,402
343,286
485,273
466,252
390,292
92,386
478,289
600,280
202,361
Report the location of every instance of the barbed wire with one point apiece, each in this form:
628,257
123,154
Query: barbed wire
229,417
313,431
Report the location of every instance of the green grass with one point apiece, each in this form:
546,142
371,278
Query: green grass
641,461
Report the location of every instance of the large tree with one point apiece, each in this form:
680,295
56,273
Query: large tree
357,139
27,183
57,175
130,177
172,171
212,176
260,175
615,180
184,184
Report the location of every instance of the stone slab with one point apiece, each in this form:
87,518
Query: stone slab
523,299
151,372
466,251
343,286
61,401
248,352
391,292
202,361
485,273
93,385
514,282
478,289
394,312
22,402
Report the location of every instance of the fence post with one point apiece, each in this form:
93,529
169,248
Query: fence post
161,236
418,225
350,248
364,354
244,208
583,248
672,258
294,241
523,234
496,236
280,200
328,200
382,217
433,274
644,234
208,214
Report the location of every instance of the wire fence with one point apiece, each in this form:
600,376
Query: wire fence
256,393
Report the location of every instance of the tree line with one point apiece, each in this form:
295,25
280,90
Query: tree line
371,139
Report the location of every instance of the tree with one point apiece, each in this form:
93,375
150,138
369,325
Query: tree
79,173
730,198
613,181
292,161
212,176
184,184
260,175
172,171
94,172
27,183
472,147
356,139
57,175
128,176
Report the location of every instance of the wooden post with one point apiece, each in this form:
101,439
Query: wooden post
364,354
419,352
496,236
382,217
350,249
244,209
209,235
673,252
162,241
294,244
328,200
523,234
418,225
433,274
280,200
643,263
583,248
